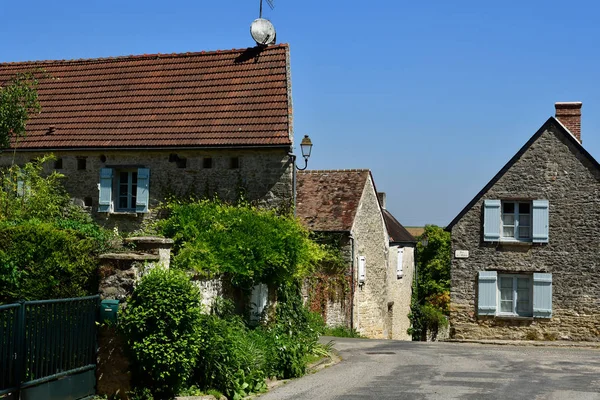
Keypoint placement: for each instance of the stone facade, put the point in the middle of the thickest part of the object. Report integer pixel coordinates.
(399, 292)
(371, 241)
(556, 168)
(263, 175)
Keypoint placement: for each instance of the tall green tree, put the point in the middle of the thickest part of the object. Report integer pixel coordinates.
(18, 101)
(431, 295)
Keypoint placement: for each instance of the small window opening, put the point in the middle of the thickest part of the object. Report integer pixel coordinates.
(234, 163)
(181, 163)
(87, 201)
(81, 164)
(173, 157)
(207, 162)
(58, 164)
(103, 158)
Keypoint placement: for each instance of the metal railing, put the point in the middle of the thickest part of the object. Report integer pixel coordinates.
(44, 340)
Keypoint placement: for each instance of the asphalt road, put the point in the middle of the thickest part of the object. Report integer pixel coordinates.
(378, 369)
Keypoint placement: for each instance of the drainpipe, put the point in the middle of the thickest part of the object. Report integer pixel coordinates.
(352, 287)
(293, 162)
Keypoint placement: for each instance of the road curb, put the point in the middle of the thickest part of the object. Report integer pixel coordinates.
(531, 343)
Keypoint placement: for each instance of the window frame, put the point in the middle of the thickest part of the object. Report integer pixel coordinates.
(516, 226)
(131, 191)
(515, 298)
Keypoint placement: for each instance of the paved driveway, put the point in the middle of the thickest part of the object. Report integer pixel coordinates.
(377, 369)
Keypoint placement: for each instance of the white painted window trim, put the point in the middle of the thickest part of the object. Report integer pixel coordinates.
(513, 313)
(516, 222)
(130, 190)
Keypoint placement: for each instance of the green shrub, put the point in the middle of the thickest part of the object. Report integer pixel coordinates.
(40, 261)
(294, 334)
(343, 332)
(250, 244)
(232, 358)
(162, 326)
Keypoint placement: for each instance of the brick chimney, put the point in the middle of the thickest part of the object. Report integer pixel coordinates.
(381, 196)
(569, 114)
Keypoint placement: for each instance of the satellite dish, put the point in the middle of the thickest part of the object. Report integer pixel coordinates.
(263, 32)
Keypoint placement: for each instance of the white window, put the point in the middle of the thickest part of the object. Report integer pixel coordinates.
(516, 220)
(126, 190)
(515, 295)
(513, 220)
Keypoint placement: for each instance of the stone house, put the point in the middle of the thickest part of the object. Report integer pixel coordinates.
(130, 131)
(342, 207)
(524, 260)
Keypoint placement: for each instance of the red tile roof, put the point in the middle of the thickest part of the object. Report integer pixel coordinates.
(328, 200)
(222, 98)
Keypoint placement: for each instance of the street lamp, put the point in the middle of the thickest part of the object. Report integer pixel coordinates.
(306, 148)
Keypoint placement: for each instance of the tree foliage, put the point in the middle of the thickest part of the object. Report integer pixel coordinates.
(18, 101)
(431, 294)
(250, 244)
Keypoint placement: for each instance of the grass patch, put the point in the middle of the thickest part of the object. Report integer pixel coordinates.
(343, 332)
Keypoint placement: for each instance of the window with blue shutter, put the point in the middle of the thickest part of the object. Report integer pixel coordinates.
(487, 288)
(491, 220)
(105, 197)
(142, 196)
(542, 295)
(540, 221)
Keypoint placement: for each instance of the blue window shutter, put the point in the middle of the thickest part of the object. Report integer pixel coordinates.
(487, 299)
(542, 295)
(540, 221)
(142, 196)
(105, 198)
(491, 220)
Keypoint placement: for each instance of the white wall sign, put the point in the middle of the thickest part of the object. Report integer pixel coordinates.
(461, 253)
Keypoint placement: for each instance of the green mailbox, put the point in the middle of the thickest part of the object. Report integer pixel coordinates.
(108, 310)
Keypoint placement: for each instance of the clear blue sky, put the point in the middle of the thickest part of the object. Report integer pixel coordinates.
(433, 96)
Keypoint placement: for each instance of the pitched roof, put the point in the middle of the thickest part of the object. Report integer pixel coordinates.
(327, 200)
(551, 122)
(221, 98)
(415, 230)
(397, 233)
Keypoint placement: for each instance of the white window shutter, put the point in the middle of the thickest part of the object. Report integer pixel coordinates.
(487, 299)
(105, 188)
(540, 221)
(542, 295)
(362, 269)
(142, 195)
(399, 269)
(258, 301)
(491, 220)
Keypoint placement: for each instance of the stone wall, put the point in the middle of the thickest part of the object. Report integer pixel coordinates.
(399, 292)
(265, 175)
(371, 241)
(554, 169)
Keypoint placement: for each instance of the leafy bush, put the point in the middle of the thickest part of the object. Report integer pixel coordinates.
(162, 327)
(431, 294)
(232, 358)
(38, 260)
(342, 331)
(26, 193)
(294, 333)
(250, 244)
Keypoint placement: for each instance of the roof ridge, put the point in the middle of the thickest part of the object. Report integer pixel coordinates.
(140, 56)
(320, 171)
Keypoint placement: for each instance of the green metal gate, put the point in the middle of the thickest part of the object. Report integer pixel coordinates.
(48, 349)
